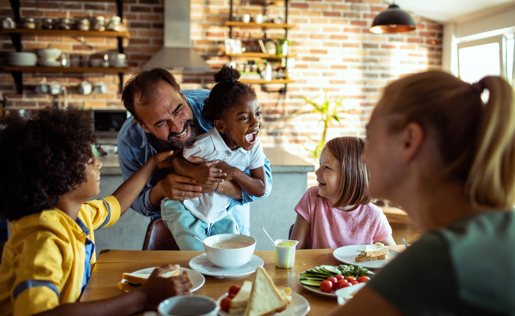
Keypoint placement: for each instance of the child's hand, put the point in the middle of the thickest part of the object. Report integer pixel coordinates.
(157, 288)
(206, 172)
(164, 159)
(227, 169)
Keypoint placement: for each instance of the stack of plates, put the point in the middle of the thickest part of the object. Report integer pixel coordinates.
(21, 59)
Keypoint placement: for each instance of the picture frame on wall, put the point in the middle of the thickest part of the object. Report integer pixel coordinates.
(232, 46)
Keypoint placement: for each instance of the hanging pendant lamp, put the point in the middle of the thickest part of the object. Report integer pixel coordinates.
(393, 20)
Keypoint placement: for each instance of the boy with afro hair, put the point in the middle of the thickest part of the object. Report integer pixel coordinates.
(47, 173)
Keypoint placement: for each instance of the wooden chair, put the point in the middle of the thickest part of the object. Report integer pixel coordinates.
(159, 237)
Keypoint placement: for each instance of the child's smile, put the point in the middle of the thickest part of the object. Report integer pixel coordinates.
(328, 176)
(240, 125)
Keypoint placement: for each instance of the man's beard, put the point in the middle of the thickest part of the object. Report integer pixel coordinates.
(187, 142)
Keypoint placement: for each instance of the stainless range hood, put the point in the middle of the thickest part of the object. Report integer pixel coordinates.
(177, 53)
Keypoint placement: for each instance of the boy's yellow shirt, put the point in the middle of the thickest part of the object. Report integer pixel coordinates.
(43, 260)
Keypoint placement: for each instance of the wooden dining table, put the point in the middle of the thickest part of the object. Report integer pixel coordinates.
(107, 273)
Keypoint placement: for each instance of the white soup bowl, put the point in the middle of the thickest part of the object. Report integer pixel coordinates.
(219, 252)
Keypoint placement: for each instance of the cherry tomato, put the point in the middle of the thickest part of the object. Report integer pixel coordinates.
(234, 289)
(326, 286)
(231, 296)
(332, 279)
(224, 304)
(339, 277)
(343, 283)
(354, 282)
(350, 278)
(363, 279)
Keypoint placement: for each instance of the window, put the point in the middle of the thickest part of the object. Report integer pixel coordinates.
(486, 57)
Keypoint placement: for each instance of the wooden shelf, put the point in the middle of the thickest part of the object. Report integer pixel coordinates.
(124, 34)
(259, 25)
(110, 70)
(259, 81)
(259, 55)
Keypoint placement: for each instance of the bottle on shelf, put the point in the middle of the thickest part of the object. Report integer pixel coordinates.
(268, 71)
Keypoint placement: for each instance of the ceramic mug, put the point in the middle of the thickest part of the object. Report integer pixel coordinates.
(100, 88)
(245, 18)
(41, 88)
(85, 87)
(54, 88)
(194, 305)
(258, 18)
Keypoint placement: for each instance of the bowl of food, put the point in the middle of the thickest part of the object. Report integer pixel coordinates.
(229, 250)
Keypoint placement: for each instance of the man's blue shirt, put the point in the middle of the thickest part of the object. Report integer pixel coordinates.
(135, 147)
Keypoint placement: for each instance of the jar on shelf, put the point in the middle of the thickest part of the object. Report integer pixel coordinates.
(99, 23)
(114, 24)
(29, 23)
(48, 24)
(82, 24)
(64, 24)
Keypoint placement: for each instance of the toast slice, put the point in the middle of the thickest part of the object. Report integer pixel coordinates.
(135, 280)
(239, 302)
(362, 258)
(265, 299)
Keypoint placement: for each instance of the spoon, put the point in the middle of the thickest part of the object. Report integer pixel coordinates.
(273, 242)
(197, 238)
(404, 241)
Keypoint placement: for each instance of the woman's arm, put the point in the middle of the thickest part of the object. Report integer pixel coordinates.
(301, 231)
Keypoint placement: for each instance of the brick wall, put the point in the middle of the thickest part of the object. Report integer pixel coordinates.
(334, 52)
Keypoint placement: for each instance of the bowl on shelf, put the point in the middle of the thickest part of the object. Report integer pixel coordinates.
(49, 53)
(229, 250)
(21, 59)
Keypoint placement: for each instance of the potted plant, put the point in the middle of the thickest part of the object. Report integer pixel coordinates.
(330, 110)
(283, 47)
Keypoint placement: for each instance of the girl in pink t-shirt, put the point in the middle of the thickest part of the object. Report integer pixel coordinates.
(338, 212)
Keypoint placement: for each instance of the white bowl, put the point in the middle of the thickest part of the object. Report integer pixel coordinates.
(229, 257)
(49, 53)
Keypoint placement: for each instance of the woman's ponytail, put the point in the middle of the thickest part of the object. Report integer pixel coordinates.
(491, 180)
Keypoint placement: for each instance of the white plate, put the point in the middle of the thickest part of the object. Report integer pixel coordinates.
(21, 62)
(298, 306)
(347, 254)
(49, 63)
(316, 289)
(204, 266)
(196, 278)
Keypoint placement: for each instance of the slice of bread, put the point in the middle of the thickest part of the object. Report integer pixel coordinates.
(135, 280)
(363, 258)
(265, 299)
(239, 302)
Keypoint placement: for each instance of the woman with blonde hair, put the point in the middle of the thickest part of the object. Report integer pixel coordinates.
(447, 157)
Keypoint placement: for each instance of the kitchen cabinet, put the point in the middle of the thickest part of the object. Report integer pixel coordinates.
(17, 33)
(262, 56)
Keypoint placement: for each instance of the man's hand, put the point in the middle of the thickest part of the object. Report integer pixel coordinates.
(206, 172)
(175, 187)
(158, 288)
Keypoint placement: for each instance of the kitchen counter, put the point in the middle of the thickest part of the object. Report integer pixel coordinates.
(280, 161)
(274, 212)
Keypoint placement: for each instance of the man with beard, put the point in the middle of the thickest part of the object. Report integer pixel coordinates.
(166, 118)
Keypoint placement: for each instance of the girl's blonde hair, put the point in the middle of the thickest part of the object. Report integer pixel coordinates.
(353, 189)
(475, 139)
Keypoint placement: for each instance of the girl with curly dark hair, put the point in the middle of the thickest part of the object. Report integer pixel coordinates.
(47, 172)
(236, 116)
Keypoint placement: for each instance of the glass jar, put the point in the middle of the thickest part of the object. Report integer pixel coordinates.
(114, 24)
(82, 24)
(29, 23)
(64, 24)
(99, 23)
(48, 24)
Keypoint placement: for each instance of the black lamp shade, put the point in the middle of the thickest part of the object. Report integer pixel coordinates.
(393, 20)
